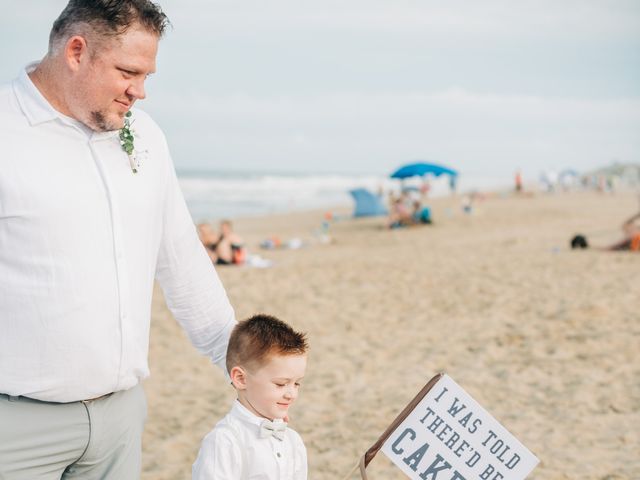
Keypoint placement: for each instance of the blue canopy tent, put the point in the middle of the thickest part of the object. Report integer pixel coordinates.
(367, 204)
(421, 169)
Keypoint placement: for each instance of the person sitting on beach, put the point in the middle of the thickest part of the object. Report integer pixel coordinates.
(224, 249)
(421, 215)
(399, 213)
(266, 360)
(208, 238)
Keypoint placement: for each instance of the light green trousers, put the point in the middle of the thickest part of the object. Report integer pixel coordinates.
(92, 440)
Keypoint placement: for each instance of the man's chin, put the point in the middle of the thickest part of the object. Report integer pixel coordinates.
(103, 123)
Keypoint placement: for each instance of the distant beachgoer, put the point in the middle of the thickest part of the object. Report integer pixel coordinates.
(549, 180)
(602, 183)
(228, 247)
(421, 214)
(399, 213)
(467, 204)
(631, 240)
(425, 188)
(209, 238)
(266, 361)
(518, 181)
(453, 184)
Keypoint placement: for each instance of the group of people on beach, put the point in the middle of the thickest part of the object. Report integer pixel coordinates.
(406, 211)
(91, 214)
(225, 247)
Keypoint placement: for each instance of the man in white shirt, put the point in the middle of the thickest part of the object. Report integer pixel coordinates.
(90, 214)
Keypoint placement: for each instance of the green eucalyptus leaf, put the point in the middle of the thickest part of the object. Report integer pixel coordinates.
(126, 138)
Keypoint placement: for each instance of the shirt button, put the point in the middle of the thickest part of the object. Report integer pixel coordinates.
(278, 455)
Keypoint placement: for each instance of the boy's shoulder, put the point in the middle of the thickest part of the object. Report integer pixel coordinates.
(220, 451)
(226, 430)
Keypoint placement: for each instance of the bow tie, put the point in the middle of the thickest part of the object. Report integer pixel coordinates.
(274, 428)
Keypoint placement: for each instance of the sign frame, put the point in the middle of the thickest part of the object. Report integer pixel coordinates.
(375, 448)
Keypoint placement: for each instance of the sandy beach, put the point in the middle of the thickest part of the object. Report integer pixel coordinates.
(545, 338)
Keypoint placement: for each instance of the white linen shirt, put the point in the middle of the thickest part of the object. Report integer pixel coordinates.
(233, 450)
(81, 240)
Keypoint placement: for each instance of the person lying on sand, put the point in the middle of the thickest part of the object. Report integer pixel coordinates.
(631, 240)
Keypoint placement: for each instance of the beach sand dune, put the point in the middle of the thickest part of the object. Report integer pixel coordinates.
(545, 338)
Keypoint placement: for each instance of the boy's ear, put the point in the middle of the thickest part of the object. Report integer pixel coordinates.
(238, 378)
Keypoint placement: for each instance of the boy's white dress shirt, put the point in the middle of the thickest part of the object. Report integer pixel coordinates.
(235, 450)
(82, 238)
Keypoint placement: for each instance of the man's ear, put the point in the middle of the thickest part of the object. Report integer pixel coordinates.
(75, 50)
(238, 378)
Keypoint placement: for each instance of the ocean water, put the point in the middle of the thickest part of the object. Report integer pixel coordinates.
(213, 195)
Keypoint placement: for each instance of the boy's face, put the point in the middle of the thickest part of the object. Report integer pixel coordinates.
(269, 390)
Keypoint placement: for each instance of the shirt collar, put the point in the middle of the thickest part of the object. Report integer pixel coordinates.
(36, 108)
(243, 413)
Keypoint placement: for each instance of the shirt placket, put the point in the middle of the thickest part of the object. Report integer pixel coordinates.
(279, 456)
(120, 262)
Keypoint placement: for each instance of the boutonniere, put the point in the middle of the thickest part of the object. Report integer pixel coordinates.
(126, 141)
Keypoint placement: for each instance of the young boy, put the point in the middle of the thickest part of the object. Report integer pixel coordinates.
(266, 360)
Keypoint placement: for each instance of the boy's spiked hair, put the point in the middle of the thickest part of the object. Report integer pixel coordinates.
(254, 339)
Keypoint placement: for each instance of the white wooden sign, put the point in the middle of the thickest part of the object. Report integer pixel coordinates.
(449, 436)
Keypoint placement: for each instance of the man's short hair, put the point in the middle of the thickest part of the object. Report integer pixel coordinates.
(107, 18)
(253, 340)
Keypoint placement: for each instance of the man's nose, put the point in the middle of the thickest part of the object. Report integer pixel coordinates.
(136, 90)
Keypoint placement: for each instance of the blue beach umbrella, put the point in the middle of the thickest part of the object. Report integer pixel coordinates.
(420, 169)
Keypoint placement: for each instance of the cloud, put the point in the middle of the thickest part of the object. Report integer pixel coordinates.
(449, 103)
(351, 130)
(454, 17)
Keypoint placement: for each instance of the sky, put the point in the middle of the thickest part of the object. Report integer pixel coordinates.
(363, 86)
